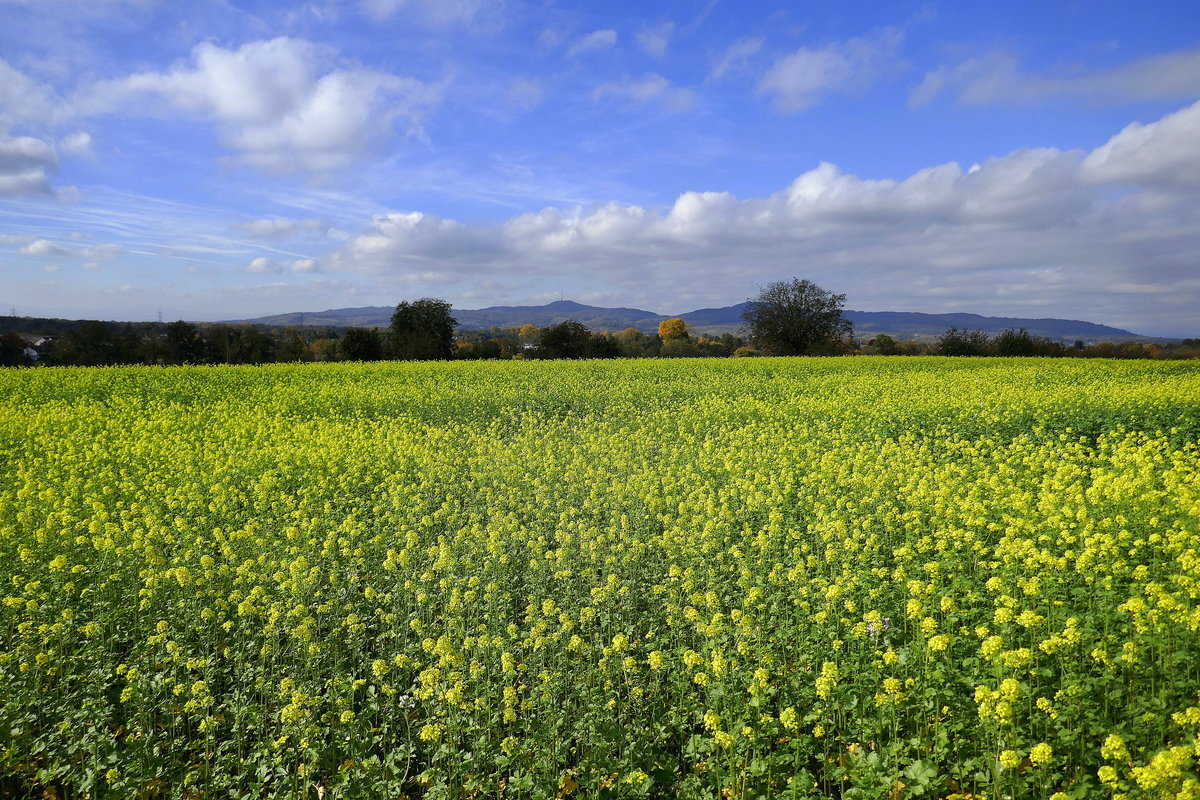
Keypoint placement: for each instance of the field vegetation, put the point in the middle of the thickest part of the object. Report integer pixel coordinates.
(736, 578)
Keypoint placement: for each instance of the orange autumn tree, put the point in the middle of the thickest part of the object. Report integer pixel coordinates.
(673, 328)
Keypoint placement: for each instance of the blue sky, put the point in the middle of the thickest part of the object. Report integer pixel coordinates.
(228, 158)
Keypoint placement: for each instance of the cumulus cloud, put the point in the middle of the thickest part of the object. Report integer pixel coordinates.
(279, 104)
(1036, 226)
(45, 247)
(997, 77)
(806, 77)
(651, 88)
(275, 228)
(655, 41)
(593, 42)
(303, 265)
(1164, 154)
(26, 164)
(263, 266)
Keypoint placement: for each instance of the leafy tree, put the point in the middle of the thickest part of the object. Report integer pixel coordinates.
(185, 345)
(679, 348)
(604, 345)
(423, 330)
(362, 344)
(964, 343)
(326, 349)
(673, 328)
(1020, 342)
(567, 339)
(796, 317)
(294, 348)
(12, 350)
(885, 345)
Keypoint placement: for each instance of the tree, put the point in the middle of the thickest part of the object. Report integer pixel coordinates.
(185, 345)
(12, 350)
(1021, 342)
(423, 330)
(362, 344)
(796, 317)
(673, 328)
(964, 343)
(885, 345)
(567, 339)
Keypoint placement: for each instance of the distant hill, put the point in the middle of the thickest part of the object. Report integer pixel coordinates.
(898, 324)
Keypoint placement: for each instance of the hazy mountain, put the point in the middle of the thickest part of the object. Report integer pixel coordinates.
(898, 324)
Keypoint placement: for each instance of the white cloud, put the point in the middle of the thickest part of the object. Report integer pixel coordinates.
(997, 77)
(806, 77)
(103, 252)
(71, 9)
(593, 42)
(1035, 227)
(275, 228)
(23, 99)
(437, 12)
(78, 143)
(736, 58)
(263, 266)
(26, 164)
(1164, 154)
(525, 93)
(655, 41)
(279, 103)
(651, 88)
(44, 247)
(96, 252)
(303, 265)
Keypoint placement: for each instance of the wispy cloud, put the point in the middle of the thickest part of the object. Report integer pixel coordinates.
(276, 228)
(655, 41)
(997, 77)
(736, 58)
(650, 88)
(436, 12)
(593, 42)
(807, 76)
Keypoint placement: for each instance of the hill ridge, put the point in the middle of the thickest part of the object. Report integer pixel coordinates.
(898, 324)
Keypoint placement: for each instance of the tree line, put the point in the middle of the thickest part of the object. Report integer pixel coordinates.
(786, 318)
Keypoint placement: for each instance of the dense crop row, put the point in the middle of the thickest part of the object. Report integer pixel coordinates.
(755, 578)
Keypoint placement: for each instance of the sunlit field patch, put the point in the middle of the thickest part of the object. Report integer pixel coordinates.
(778, 578)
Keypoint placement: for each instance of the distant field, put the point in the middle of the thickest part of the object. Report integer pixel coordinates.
(741, 578)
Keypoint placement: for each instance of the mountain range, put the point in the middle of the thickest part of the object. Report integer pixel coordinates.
(713, 321)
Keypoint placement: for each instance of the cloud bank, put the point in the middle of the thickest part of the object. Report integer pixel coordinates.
(1073, 230)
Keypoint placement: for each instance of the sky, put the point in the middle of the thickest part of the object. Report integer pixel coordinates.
(225, 159)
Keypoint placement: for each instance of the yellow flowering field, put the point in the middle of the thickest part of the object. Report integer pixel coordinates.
(745, 578)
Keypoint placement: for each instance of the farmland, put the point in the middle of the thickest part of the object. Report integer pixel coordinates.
(777, 578)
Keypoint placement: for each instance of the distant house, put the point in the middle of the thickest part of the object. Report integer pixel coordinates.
(36, 347)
